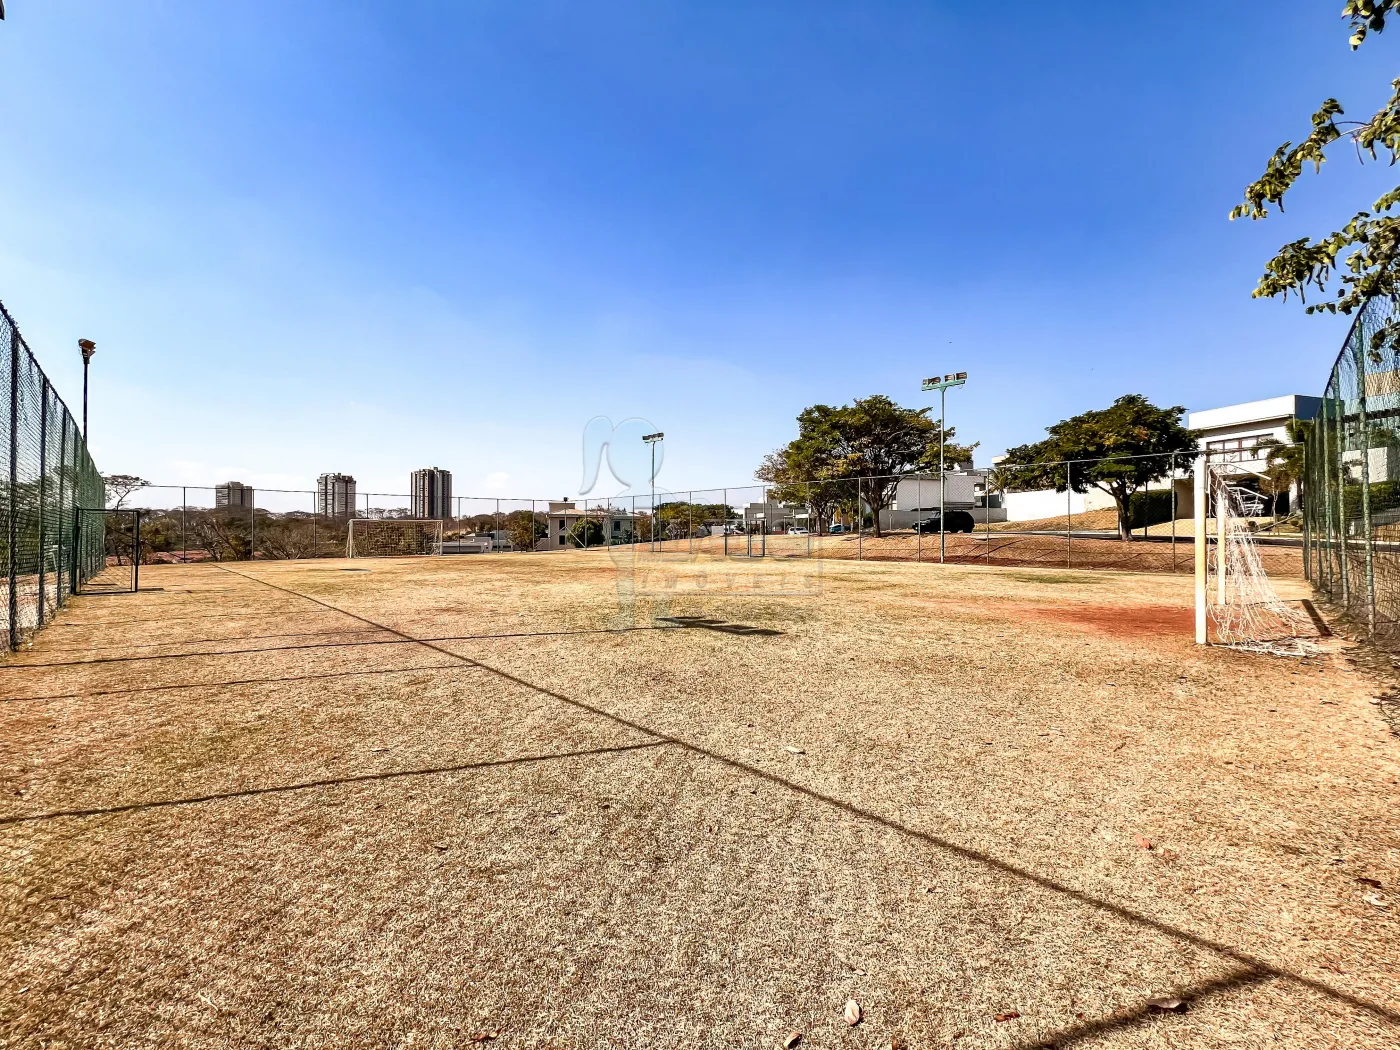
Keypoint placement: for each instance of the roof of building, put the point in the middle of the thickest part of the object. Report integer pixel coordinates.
(1271, 409)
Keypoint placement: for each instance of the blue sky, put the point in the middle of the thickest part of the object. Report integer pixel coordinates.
(367, 237)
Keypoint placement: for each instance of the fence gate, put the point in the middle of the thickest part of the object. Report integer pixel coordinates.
(107, 556)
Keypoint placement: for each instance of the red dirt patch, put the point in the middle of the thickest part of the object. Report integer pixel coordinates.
(1123, 621)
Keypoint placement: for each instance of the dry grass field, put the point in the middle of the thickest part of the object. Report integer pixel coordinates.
(493, 801)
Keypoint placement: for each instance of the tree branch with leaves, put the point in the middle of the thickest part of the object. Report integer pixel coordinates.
(1364, 255)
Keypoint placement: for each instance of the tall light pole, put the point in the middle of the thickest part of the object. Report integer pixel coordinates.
(88, 348)
(652, 439)
(942, 385)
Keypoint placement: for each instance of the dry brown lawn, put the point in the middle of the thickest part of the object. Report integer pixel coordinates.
(287, 804)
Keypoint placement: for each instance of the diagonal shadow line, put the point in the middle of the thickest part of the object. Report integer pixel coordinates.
(230, 682)
(400, 640)
(946, 845)
(202, 641)
(85, 624)
(1244, 977)
(365, 778)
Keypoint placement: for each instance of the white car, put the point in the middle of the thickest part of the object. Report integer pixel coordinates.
(798, 532)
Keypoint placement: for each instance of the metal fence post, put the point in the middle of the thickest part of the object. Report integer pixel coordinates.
(1369, 548)
(62, 480)
(13, 524)
(724, 517)
(1069, 512)
(252, 526)
(1342, 556)
(184, 529)
(860, 526)
(987, 517)
(1329, 574)
(43, 492)
(1307, 531)
(1172, 483)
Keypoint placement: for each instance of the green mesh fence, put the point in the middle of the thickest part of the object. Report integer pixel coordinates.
(47, 548)
(1352, 468)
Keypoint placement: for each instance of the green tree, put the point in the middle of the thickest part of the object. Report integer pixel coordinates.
(1371, 240)
(872, 439)
(526, 528)
(1122, 448)
(120, 486)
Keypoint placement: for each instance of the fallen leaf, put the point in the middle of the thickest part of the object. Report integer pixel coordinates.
(794, 750)
(853, 1012)
(1372, 899)
(1010, 1015)
(1142, 842)
(896, 1043)
(792, 1040)
(1167, 1004)
(1369, 882)
(484, 1037)
(439, 845)
(378, 750)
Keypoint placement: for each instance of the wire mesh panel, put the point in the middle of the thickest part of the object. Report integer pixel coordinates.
(1352, 471)
(45, 475)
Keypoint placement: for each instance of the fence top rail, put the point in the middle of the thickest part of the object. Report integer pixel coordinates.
(671, 495)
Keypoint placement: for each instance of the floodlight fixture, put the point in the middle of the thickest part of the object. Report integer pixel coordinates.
(950, 379)
(650, 439)
(87, 347)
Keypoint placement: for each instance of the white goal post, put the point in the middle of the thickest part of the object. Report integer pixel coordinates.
(393, 537)
(1233, 592)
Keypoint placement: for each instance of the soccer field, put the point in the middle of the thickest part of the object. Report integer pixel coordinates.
(422, 802)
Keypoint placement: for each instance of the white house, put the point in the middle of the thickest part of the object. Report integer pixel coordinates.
(564, 515)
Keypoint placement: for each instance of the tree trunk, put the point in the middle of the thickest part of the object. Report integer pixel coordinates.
(1125, 532)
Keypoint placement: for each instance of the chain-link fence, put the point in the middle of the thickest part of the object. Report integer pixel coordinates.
(1352, 468)
(1050, 515)
(49, 548)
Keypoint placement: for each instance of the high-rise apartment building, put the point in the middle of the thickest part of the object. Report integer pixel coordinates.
(233, 494)
(431, 493)
(335, 495)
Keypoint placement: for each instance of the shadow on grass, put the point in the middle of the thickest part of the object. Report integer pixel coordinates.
(400, 639)
(365, 778)
(229, 682)
(1125, 1020)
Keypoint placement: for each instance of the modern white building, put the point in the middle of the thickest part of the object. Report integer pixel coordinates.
(1231, 435)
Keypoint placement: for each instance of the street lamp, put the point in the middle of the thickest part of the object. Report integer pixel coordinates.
(88, 348)
(942, 385)
(652, 439)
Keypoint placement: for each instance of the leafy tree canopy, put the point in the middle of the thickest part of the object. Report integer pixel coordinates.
(1120, 448)
(871, 438)
(1370, 242)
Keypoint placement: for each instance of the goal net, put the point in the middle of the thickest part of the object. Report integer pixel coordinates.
(1232, 589)
(393, 537)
